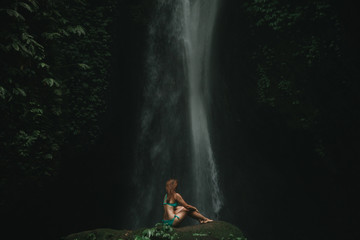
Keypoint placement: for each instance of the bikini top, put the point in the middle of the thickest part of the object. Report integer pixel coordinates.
(171, 204)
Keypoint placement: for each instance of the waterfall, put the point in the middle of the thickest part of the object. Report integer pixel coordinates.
(174, 139)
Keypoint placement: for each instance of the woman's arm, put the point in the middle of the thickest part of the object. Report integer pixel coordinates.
(183, 203)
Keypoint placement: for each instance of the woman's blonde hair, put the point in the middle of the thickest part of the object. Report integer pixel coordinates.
(170, 187)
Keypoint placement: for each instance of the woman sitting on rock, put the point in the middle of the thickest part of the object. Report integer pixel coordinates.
(175, 214)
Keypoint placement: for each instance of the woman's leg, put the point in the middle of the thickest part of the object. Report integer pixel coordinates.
(197, 215)
(181, 212)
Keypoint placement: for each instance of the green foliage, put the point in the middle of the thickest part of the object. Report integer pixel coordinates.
(159, 232)
(281, 15)
(91, 236)
(27, 139)
(289, 57)
(297, 62)
(86, 83)
(54, 78)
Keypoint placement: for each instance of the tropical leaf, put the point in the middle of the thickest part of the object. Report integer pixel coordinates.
(34, 3)
(63, 32)
(50, 82)
(44, 65)
(15, 45)
(15, 14)
(26, 6)
(51, 36)
(79, 30)
(19, 91)
(2, 92)
(83, 66)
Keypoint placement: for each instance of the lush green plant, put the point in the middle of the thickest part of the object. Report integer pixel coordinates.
(87, 57)
(292, 54)
(296, 61)
(54, 78)
(159, 232)
(31, 93)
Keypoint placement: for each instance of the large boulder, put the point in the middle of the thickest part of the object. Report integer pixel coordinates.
(217, 230)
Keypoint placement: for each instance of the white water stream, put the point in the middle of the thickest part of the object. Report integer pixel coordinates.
(174, 138)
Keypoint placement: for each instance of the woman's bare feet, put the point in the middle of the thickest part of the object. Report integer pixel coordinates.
(205, 220)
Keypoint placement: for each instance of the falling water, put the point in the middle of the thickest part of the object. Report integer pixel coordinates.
(174, 139)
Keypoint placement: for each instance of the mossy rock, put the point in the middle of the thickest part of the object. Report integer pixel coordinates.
(100, 234)
(217, 230)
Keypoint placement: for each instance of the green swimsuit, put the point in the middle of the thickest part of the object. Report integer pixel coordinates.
(170, 221)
